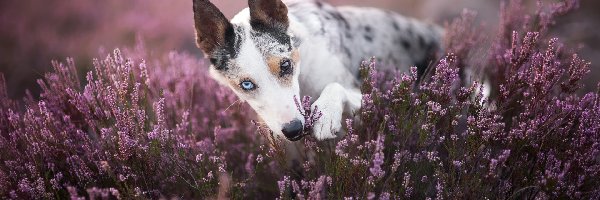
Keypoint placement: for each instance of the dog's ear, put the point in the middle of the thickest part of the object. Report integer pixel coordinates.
(212, 27)
(268, 14)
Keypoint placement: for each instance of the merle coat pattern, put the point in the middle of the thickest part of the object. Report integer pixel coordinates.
(272, 51)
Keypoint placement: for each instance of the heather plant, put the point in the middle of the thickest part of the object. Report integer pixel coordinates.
(131, 131)
(141, 125)
(440, 137)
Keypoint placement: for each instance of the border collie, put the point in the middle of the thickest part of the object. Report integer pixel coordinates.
(272, 52)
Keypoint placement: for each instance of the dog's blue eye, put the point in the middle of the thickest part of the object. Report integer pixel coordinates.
(247, 85)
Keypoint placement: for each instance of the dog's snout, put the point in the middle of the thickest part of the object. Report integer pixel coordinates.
(293, 130)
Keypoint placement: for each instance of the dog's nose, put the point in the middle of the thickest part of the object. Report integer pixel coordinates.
(293, 130)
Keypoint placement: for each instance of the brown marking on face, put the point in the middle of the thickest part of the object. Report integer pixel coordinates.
(235, 84)
(274, 65)
(295, 56)
(274, 62)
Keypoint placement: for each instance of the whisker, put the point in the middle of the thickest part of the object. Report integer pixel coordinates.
(236, 101)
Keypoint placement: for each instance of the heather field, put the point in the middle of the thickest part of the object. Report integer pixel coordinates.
(144, 120)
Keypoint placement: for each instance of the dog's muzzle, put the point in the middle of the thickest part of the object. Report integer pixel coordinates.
(293, 130)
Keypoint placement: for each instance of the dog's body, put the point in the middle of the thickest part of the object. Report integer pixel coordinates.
(272, 52)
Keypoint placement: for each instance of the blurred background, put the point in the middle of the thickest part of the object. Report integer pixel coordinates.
(33, 32)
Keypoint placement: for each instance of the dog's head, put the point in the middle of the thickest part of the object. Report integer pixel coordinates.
(257, 57)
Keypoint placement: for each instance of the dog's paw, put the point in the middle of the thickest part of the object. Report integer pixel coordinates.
(330, 122)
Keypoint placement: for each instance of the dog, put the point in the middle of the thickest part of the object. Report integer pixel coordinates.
(273, 52)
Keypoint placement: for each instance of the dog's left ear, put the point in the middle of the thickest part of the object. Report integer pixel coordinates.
(268, 14)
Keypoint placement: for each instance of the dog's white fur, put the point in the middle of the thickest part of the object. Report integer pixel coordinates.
(333, 42)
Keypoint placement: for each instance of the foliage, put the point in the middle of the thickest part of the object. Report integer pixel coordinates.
(162, 128)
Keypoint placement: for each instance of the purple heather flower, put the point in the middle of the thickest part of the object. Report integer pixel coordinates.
(311, 115)
(283, 184)
(378, 158)
(165, 123)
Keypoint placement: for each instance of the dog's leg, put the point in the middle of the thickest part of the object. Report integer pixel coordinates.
(332, 102)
